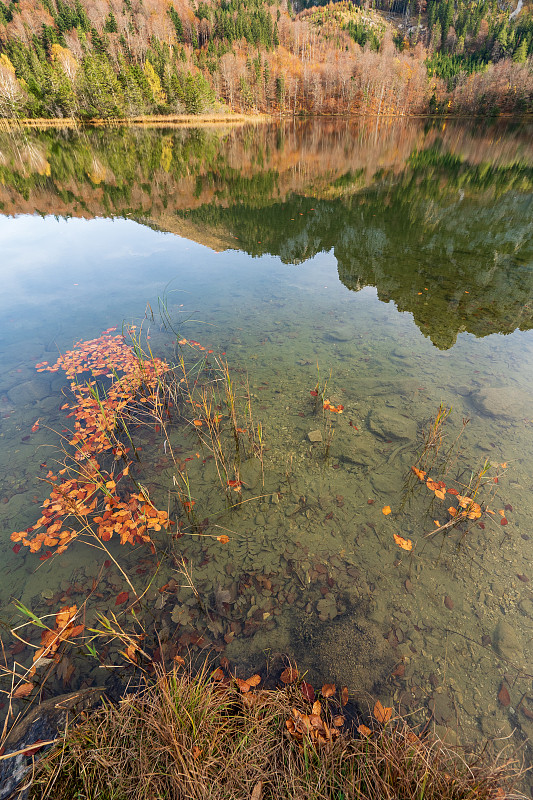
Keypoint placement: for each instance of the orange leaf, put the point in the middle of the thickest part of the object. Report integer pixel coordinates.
(328, 690)
(197, 422)
(255, 680)
(244, 686)
(386, 510)
(362, 729)
(223, 538)
(440, 494)
(405, 544)
(23, 690)
(452, 511)
(289, 675)
(344, 695)
(382, 715)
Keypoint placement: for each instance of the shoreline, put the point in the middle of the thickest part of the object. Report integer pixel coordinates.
(200, 120)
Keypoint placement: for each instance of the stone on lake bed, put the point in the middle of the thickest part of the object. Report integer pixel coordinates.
(504, 401)
(506, 643)
(389, 424)
(314, 436)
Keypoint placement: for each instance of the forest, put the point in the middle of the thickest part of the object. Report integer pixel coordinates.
(134, 58)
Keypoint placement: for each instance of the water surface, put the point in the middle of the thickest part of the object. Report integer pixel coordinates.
(392, 260)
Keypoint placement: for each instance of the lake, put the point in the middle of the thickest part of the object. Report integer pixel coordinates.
(365, 288)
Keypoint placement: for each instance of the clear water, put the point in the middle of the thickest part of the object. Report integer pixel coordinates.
(399, 259)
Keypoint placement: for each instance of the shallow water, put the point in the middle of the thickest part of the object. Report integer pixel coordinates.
(392, 261)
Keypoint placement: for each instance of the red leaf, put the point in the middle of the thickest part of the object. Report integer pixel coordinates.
(308, 691)
(122, 598)
(313, 393)
(16, 549)
(503, 696)
(503, 521)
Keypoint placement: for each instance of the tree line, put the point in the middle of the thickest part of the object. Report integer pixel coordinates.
(124, 58)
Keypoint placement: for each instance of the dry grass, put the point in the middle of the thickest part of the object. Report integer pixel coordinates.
(191, 737)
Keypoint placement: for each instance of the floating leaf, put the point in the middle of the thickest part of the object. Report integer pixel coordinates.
(386, 510)
(223, 538)
(405, 544)
(453, 491)
(503, 521)
(197, 422)
(440, 494)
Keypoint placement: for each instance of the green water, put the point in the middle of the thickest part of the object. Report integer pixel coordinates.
(394, 262)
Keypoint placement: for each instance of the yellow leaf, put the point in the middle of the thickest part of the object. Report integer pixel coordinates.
(386, 510)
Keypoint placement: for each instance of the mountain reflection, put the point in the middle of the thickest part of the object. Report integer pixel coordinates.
(438, 217)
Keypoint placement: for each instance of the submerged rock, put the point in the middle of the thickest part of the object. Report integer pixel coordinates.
(505, 402)
(506, 644)
(390, 424)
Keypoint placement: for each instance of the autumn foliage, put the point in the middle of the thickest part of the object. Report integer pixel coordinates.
(86, 496)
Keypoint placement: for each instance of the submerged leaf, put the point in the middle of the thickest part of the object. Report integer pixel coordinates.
(405, 544)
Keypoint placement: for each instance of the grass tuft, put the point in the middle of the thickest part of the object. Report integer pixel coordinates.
(195, 737)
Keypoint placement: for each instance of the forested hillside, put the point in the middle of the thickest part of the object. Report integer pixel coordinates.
(124, 58)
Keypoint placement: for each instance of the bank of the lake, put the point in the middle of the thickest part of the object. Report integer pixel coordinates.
(213, 736)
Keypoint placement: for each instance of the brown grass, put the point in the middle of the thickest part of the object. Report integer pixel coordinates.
(186, 736)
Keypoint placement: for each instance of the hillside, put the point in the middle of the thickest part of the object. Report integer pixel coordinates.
(123, 58)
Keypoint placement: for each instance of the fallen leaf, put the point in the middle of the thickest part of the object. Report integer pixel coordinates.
(386, 510)
(364, 730)
(289, 675)
(223, 538)
(344, 695)
(23, 690)
(328, 690)
(257, 791)
(405, 544)
(503, 696)
(122, 598)
(317, 708)
(382, 714)
(308, 691)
